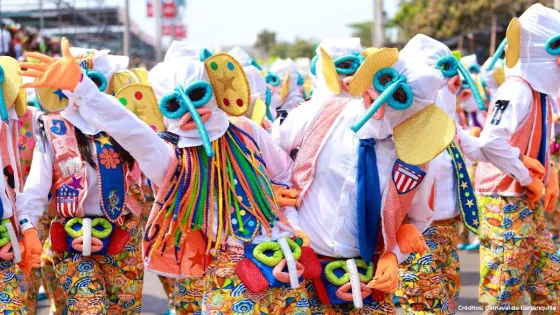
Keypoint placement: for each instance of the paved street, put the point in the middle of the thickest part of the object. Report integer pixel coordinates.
(155, 302)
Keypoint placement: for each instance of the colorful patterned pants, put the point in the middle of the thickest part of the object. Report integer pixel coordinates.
(430, 283)
(104, 284)
(517, 255)
(12, 289)
(221, 292)
(384, 307)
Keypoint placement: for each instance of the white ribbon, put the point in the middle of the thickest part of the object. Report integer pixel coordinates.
(14, 240)
(290, 262)
(355, 282)
(86, 228)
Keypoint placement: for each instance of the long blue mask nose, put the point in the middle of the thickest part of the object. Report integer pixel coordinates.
(450, 66)
(181, 101)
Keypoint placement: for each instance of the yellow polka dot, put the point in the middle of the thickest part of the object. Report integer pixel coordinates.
(242, 212)
(23, 131)
(239, 198)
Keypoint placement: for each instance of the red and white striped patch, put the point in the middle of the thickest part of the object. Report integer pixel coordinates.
(406, 177)
(67, 201)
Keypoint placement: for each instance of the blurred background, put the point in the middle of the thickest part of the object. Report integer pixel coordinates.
(143, 29)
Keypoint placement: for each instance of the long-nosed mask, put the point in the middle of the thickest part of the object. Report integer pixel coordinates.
(405, 108)
(337, 60)
(437, 55)
(194, 97)
(532, 47)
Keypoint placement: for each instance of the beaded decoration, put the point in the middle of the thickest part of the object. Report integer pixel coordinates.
(231, 185)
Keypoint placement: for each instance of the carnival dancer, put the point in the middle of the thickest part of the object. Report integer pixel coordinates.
(430, 283)
(95, 236)
(282, 79)
(234, 211)
(517, 255)
(356, 189)
(12, 252)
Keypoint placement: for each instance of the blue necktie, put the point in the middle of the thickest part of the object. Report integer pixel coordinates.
(368, 206)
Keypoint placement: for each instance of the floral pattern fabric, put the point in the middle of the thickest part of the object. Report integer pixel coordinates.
(430, 283)
(104, 284)
(220, 292)
(12, 289)
(517, 255)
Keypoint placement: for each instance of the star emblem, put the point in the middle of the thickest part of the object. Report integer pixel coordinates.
(464, 185)
(460, 166)
(104, 140)
(197, 258)
(227, 83)
(475, 222)
(470, 203)
(76, 183)
(60, 95)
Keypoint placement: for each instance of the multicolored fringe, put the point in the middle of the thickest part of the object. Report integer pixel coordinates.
(231, 188)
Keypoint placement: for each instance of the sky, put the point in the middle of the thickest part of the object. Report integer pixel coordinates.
(237, 22)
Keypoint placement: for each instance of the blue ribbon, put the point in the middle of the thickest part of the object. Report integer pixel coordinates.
(368, 199)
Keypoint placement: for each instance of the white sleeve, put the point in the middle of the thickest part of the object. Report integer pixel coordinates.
(289, 135)
(470, 146)
(107, 113)
(278, 167)
(32, 203)
(500, 126)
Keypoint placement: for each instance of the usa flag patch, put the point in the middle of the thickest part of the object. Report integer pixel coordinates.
(406, 177)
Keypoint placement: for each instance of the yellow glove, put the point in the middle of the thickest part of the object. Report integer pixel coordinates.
(551, 191)
(410, 240)
(60, 73)
(386, 276)
(285, 197)
(534, 192)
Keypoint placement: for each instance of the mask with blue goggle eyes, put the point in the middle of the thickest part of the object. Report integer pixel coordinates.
(97, 78)
(450, 66)
(182, 101)
(273, 79)
(228, 86)
(348, 64)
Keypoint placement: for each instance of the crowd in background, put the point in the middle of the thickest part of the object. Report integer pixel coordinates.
(17, 39)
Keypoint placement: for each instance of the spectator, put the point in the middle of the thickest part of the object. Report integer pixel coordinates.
(5, 41)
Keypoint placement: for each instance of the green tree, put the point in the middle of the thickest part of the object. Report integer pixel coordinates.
(363, 31)
(280, 50)
(265, 41)
(301, 48)
(447, 18)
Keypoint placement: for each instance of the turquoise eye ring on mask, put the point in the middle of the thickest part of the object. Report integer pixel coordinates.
(181, 101)
(553, 45)
(273, 79)
(388, 82)
(450, 66)
(356, 61)
(98, 79)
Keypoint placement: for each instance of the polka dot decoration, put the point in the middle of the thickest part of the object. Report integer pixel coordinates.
(140, 100)
(229, 83)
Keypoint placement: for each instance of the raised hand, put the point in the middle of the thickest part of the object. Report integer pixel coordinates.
(60, 73)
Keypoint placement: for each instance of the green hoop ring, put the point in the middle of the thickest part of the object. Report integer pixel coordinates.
(296, 249)
(360, 263)
(107, 228)
(270, 261)
(4, 237)
(332, 277)
(72, 232)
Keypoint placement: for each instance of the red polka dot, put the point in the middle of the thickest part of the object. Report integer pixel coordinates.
(138, 95)
(239, 102)
(226, 102)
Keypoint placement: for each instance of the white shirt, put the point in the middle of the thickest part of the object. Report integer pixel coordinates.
(445, 185)
(328, 210)
(494, 138)
(153, 154)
